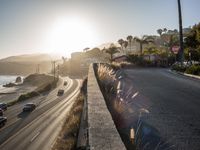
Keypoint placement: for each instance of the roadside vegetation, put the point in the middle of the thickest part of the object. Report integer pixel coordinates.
(44, 83)
(108, 79)
(68, 135)
(189, 69)
(125, 111)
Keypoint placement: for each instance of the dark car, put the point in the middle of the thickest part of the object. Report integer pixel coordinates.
(1, 112)
(65, 83)
(3, 106)
(60, 92)
(3, 121)
(29, 107)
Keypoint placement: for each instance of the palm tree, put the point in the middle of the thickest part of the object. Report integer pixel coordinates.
(111, 51)
(129, 39)
(144, 40)
(125, 44)
(121, 41)
(159, 31)
(165, 30)
(181, 52)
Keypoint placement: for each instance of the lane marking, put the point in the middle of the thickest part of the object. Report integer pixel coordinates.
(42, 115)
(34, 137)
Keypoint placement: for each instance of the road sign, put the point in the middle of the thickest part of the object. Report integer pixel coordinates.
(175, 49)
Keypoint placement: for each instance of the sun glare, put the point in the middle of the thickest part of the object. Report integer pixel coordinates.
(69, 35)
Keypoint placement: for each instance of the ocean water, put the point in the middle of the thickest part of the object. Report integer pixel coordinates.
(6, 79)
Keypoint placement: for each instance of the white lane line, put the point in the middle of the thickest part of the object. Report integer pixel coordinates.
(34, 137)
(39, 117)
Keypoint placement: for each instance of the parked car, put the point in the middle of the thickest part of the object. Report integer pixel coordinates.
(3, 121)
(65, 83)
(3, 106)
(1, 112)
(29, 107)
(60, 92)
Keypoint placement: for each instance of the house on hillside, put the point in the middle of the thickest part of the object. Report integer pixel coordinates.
(121, 58)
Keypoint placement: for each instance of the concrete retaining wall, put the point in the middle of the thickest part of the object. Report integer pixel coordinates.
(103, 134)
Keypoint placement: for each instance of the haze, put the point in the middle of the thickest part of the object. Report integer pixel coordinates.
(62, 27)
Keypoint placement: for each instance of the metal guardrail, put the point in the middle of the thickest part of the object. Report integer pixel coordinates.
(83, 142)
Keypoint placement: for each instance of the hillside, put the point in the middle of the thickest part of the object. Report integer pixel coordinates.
(25, 64)
(27, 58)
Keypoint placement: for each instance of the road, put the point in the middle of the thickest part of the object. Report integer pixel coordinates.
(167, 102)
(38, 129)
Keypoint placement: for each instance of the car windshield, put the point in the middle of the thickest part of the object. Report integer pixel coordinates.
(29, 105)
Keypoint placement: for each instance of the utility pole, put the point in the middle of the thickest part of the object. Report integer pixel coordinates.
(54, 69)
(58, 71)
(38, 69)
(181, 51)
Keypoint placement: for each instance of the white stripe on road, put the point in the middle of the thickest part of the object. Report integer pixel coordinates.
(34, 137)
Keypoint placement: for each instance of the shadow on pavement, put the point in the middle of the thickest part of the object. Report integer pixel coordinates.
(23, 115)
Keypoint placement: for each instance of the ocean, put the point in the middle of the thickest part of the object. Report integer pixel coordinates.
(6, 79)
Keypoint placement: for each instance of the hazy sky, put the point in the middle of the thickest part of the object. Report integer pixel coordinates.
(63, 26)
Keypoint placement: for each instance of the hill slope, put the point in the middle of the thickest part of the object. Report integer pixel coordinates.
(25, 64)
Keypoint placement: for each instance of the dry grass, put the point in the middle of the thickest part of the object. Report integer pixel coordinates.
(119, 65)
(68, 135)
(105, 73)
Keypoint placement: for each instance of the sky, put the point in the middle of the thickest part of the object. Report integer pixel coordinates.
(65, 26)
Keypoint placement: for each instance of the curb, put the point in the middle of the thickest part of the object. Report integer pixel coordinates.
(185, 74)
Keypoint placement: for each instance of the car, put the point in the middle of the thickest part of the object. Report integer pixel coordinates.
(3, 121)
(60, 92)
(65, 83)
(1, 112)
(29, 107)
(3, 106)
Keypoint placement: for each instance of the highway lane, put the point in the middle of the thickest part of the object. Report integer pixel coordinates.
(42, 131)
(173, 103)
(13, 111)
(17, 120)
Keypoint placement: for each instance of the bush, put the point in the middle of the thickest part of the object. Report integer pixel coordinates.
(178, 67)
(194, 69)
(27, 96)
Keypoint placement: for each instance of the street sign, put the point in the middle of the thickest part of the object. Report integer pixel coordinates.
(175, 49)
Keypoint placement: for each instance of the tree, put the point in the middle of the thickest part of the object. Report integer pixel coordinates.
(151, 50)
(129, 39)
(121, 41)
(159, 31)
(111, 51)
(64, 59)
(172, 41)
(193, 38)
(86, 49)
(192, 43)
(125, 44)
(144, 40)
(165, 30)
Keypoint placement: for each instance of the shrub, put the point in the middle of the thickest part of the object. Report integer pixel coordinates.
(194, 69)
(178, 67)
(27, 96)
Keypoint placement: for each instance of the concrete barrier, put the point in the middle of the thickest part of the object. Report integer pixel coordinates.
(103, 134)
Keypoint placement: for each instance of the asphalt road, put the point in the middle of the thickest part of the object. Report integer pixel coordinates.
(166, 102)
(38, 129)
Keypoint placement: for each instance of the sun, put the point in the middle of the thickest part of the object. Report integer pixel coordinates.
(70, 34)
